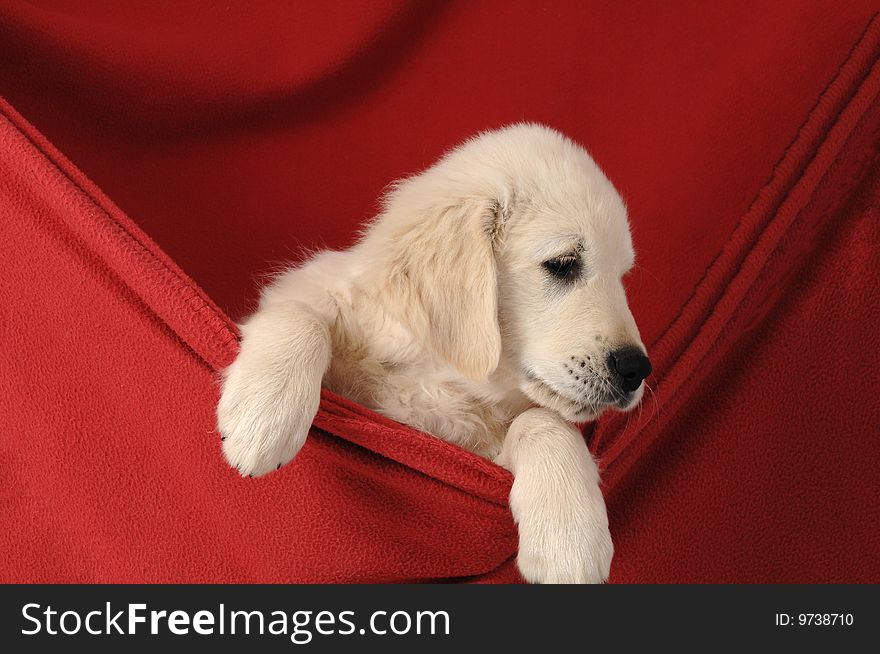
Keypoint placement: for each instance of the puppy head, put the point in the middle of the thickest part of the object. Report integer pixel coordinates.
(562, 303)
(508, 257)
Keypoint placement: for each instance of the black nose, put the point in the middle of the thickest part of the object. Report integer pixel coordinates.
(630, 366)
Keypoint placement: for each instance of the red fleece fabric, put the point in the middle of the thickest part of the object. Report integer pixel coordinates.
(744, 138)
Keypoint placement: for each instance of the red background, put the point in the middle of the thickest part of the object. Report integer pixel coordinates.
(743, 137)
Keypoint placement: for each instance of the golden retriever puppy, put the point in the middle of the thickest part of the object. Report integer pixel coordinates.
(483, 305)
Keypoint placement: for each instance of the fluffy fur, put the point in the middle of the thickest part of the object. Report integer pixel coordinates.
(448, 316)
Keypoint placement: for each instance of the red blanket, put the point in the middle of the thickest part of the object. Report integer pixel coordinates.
(745, 140)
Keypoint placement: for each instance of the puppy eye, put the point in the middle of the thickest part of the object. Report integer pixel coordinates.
(567, 267)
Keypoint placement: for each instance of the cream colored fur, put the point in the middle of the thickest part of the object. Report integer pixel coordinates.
(444, 317)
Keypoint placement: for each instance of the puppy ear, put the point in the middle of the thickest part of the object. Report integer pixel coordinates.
(441, 280)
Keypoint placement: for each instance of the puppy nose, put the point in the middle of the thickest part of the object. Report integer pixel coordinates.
(631, 366)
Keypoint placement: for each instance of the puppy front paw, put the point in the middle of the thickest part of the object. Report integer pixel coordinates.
(264, 422)
(556, 501)
(564, 554)
(563, 527)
